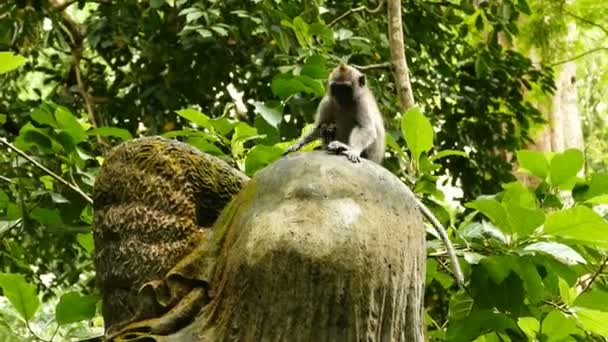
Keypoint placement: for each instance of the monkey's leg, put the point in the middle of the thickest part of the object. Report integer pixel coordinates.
(313, 134)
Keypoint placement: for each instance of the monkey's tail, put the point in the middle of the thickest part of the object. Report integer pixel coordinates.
(446, 241)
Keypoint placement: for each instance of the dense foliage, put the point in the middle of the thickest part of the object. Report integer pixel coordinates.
(241, 80)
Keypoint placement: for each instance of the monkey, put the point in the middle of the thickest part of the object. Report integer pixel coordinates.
(350, 114)
(350, 123)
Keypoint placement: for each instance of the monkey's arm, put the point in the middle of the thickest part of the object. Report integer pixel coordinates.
(325, 118)
(313, 134)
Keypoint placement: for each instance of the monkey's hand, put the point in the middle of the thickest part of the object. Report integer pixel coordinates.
(292, 148)
(338, 147)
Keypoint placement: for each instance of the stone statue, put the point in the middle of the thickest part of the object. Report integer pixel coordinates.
(312, 248)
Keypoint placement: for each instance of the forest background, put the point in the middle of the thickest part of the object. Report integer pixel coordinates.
(507, 144)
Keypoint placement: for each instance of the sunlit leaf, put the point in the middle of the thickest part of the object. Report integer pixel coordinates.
(578, 223)
(20, 293)
(493, 210)
(194, 116)
(86, 242)
(417, 131)
(271, 115)
(447, 153)
(557, 325)
(115, 132)
(594, 299)
(10, 61)
(530, 326)
(559, 251)
(533, 162)
(564, 166)
(593, 320)
(260, 156)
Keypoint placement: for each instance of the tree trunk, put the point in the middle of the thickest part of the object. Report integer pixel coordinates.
(400, 69)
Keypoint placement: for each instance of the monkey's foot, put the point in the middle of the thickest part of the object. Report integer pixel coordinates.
(353, 157)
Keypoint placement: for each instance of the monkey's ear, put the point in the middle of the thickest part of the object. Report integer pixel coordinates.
(361, 80)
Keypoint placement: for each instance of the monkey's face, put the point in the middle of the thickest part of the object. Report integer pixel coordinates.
(345, 83)
(342, 93)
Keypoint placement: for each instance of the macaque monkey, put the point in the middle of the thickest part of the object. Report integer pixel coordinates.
(349, 114)
(349, 123)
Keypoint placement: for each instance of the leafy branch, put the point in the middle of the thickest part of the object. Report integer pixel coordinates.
(355, 10)
(581, 55)
(586, 21)
(74, 187)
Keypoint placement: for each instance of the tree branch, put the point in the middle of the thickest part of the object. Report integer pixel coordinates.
(586, 21)
(386, 65)
(595, 275)
(573, 58)
(8, 180)
(49, 172)
(355, 10)
(401, 71)
(61, 6)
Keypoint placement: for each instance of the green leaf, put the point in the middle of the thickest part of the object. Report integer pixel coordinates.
(157, 3)
(479, 323)
(564, 166)
(3, 119)
(533, 284)
(271, 115)
(73, 307)
(4, 200)
(417, 131)
(557, 326)
(260, 156)
(580, 224)
(524, 221)
(67, 121)
(20, 293)
(446, 153)
(597, 186)
(115, 132)
(568, 295)
(560, 252)
(530, 326)
(47, 217)
(493, 210)
(522, 6)
(593, 320)
(461, 305)
(498, 267)
(194, 116)
(243, 132)
(204, 145)
(393, 145)
(43, 115)
(286, 85)
(481, 65)
(597, 200)
(10, 61)
(315, 68)
(594, 299)
(222, 125)
(533, 162)
(86, 241)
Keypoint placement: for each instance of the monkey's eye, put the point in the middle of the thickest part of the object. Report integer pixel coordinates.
(361, 80)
